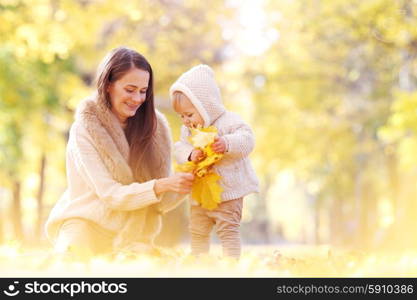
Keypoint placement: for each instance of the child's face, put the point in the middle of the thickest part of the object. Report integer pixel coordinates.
(189, 115)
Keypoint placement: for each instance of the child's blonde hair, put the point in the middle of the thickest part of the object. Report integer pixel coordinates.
(177, 98)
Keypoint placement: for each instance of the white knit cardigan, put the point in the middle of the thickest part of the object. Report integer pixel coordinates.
(100, 182)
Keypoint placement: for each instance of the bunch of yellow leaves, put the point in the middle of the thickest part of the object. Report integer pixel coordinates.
(206, 189)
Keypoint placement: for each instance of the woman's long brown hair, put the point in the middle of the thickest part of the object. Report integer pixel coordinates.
(140, 129)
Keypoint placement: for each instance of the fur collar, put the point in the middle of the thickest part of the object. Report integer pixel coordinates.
(111, 143)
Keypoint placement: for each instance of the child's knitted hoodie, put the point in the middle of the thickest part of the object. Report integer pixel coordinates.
(238, 177)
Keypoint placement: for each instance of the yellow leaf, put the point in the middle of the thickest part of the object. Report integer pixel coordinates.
(201, 137)
(207, 191)
(188, 167)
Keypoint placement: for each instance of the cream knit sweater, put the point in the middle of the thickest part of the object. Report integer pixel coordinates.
(95, 188)
(238, 176)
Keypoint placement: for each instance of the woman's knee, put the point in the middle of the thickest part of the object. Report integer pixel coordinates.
(74, 238)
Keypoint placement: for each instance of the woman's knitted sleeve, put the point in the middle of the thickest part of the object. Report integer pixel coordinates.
(95, 174)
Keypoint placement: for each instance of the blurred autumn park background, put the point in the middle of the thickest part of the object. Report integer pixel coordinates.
(329, 88)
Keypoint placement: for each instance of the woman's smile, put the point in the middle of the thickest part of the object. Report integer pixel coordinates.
(132, 106)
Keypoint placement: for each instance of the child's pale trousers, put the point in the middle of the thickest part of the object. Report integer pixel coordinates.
(226, 217)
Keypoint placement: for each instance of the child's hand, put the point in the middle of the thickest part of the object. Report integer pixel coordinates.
(219, 145)
(197, 155)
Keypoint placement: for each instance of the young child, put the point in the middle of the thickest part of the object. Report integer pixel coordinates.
(196, 97)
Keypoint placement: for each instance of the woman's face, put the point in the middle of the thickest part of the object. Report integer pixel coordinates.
(128, 93)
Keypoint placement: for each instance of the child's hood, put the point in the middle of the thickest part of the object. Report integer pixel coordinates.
(200, 86)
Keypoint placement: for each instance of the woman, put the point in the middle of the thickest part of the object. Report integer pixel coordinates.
(118, 164)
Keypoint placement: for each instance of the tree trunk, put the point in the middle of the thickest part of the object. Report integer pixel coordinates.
(261, 209)
(1, 224)
(40, 197)
(317, 223)
(336, 219)
(391, 160)
(359, 206)
(16, 211)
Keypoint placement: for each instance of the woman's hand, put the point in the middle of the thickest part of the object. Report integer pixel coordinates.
(179, 183)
